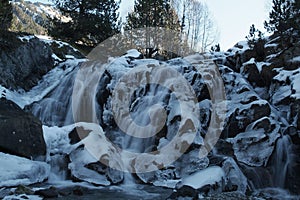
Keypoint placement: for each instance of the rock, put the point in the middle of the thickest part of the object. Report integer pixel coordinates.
(250, 70)
(236, 180)
(227, 195)
(207, 181)
(48, 193)
(184, 192)
(22, 66)
(21, 133)
(64, 51)
(16, 171)
(295, 112)
(22, 189)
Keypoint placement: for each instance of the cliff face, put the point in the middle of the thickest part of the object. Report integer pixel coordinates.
(23, 61)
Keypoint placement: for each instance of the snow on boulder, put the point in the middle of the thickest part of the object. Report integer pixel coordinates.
(209, 176)
(21, 171)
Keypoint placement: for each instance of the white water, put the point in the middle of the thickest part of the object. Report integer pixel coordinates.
(282, 158)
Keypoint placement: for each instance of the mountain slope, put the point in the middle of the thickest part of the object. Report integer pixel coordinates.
(34, 18)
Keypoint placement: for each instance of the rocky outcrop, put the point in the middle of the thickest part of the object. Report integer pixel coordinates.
(21, 133)
(23, 62)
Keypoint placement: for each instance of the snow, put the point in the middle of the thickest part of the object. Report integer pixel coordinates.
(95, 147)
(133, 53)
(260, 65)
(281, 93)
(239, 47)
(57, 139)
(208, 176)
(271, 45)
(26, 38)
(294, 77)
(295, 59)
(21, 171)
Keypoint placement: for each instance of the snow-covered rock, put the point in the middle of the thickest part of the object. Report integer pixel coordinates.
(20, 171)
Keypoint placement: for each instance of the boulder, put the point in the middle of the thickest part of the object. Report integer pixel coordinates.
(22, 66)
(21, 133)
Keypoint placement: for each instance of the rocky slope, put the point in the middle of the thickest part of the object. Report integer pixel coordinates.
(257, 153)
(34, 18)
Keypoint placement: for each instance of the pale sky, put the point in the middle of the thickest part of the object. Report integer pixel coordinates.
(233, 17)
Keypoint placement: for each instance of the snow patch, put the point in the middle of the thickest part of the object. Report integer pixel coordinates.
(208, 176)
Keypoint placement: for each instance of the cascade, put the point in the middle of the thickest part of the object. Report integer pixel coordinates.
(282, 158)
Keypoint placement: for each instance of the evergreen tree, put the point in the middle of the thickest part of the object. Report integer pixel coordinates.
(158, 20)
(92, 22)
(6, 15)
(152, 13)
(283, 16)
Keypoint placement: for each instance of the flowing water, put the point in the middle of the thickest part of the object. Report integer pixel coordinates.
(281, 160)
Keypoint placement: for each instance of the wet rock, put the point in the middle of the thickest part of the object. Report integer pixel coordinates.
(21, 132)
(51, 192)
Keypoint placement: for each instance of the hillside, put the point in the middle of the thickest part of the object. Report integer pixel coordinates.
(34, 18)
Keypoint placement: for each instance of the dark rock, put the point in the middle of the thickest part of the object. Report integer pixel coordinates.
(48, 193)
(253, 75)
(223, 147)
(78, 191)
(185, 191)
(21, 132)
(21, 189)
(260, 111)
(62, 50)
(23, 66)
(295, 112)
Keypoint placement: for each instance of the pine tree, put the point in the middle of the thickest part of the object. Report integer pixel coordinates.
(92, 22)
(6, 15)
(152, 13)
(156, 19)
(284, 16)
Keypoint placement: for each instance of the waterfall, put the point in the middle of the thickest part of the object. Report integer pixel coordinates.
(281, 160)
(59, 168)
(55, 109)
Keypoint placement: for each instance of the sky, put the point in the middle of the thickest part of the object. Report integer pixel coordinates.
(233, 17)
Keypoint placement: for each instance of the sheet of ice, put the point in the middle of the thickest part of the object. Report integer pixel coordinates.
(57, 139)
(21, 171)
(208, 176)
(22, 197)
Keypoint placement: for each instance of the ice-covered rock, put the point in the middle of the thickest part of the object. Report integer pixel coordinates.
(16, 171)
